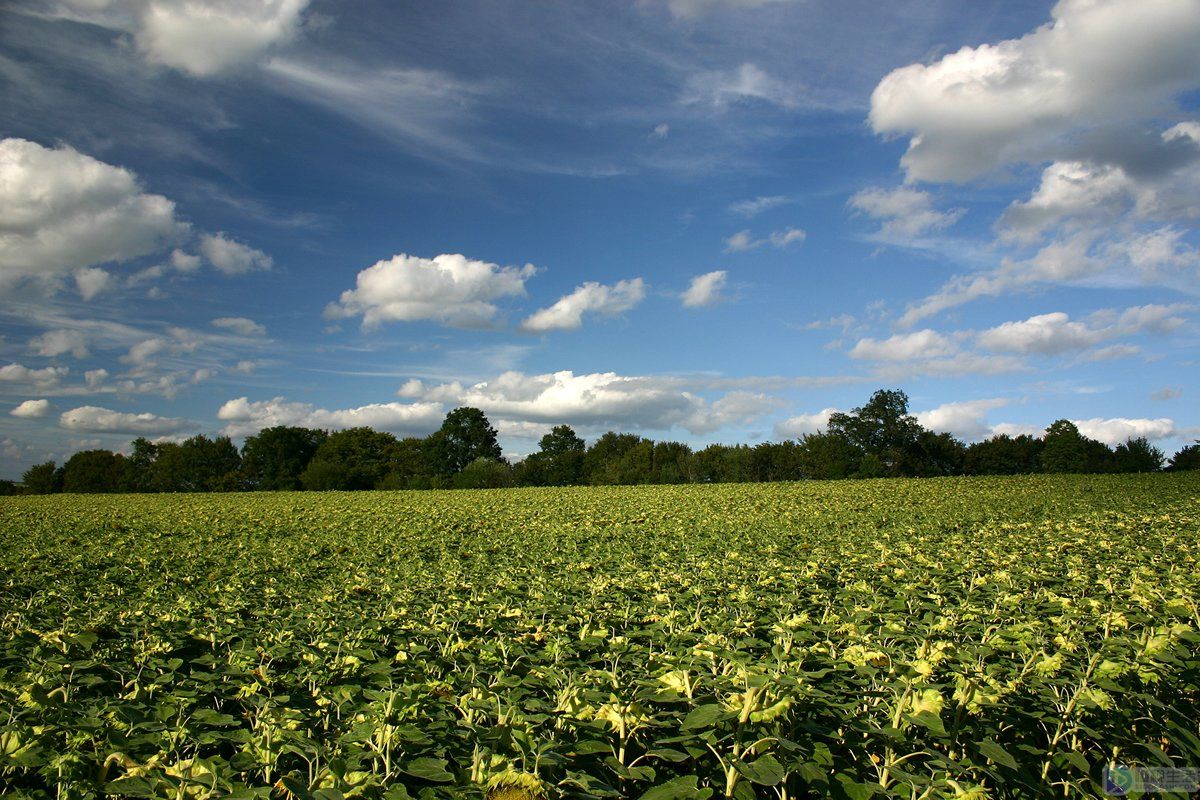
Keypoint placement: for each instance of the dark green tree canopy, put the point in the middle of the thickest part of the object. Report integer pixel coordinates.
(44, 478)
(356, 458)
(94, 471)
(465, 435)
(1188, 458)
(274, 458)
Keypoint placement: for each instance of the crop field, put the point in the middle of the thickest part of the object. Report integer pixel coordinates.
(936, 638)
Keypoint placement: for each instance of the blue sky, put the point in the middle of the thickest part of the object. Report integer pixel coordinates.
(705, 220)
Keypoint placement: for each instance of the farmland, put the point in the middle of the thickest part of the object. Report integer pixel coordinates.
(988, 637)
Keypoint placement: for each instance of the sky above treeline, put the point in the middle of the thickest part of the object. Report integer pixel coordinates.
(702, 220)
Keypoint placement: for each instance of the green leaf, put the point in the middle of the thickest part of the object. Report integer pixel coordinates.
(682, 788)
(429, 769)
(765, 770)
(702, 717)
(989, 749)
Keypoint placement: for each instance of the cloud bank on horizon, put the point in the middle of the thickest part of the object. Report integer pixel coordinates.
(218, 216)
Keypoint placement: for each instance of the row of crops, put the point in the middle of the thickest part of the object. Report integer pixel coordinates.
(910, 639)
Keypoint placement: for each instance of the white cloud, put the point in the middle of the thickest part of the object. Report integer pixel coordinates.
(241, 325)
(65, 211)
(231, 257)
(1047, 334)
(921, 344)
(1016, 429)
(661, 131)
(801, 424)
(783, 238)
(721, 89)
(1098, 62)
(591, 297)
(32, 409)
(60, 342)
(1120, 429)
(694, 8)
(95, 378)
(743, 241)
(966, 419)
(904, 212)
(184, 262)
(92, 419)
(245, 417)
(450, 288)
(20, 374)
(1055, 333)
(1069, 190)
(600, 400)
(740, 242)
(91, 281)
(754, 207)
(705, 289)
(1158, 257)
(201, 38)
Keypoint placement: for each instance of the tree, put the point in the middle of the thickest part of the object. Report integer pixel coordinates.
(826, 456)
(465, 435)
(42, 478)
(1137, 455)
(356, 458)
(1188, 458)
(935, 454)
(559, 460)
(94, 472)
(274, 458)
(882, 429)
(409, 467)
(1004, 455)
(484, 473)
(1065, 449)
(139, 473)
(602, 462)
(198, 464)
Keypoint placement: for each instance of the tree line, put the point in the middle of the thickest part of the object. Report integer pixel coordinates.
(879, 439)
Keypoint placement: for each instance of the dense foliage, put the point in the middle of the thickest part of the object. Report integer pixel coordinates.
(880, 439)
(967, 637)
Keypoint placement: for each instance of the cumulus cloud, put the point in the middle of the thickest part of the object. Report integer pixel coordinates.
(590, 298)
(705, 290)
(198, 38)
(757, 205)
(32, 409)
(695, 8)
(60, 342)
(65, 211)
(802, 424)
(966, 419)
(1117, 430)
(450, 288)
(1097, 63)
(20, 374)
(1069, 190)
(903, 211)
(925, 343)
(599, 400)
(1160, 256)
(244, 417)
(91, 281)
(231, 257)
(721, 89)
(240, 325)
(743, 240)
(1055, 333)
(93, 419)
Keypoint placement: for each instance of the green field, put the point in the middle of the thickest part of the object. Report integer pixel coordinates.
(953, 637)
